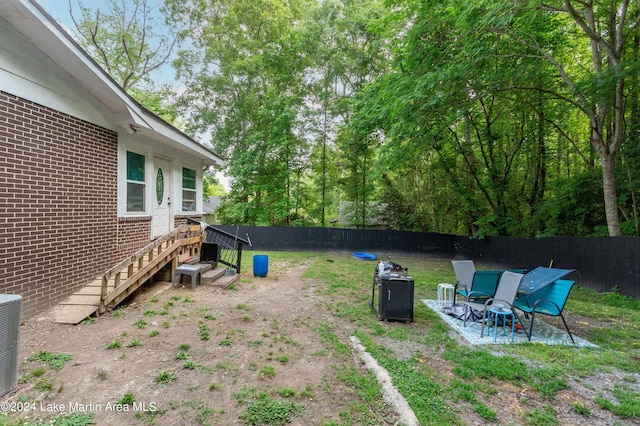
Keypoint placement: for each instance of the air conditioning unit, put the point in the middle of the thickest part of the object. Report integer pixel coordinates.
(10, 310)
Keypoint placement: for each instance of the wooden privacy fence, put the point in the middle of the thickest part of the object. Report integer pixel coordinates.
(604, 263)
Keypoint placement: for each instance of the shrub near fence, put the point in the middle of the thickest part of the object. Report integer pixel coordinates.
(604, 264)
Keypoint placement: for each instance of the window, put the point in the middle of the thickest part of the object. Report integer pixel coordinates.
(188, 190)
(135, 182)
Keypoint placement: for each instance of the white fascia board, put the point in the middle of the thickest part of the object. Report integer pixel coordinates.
(156, 129)
(49, 37)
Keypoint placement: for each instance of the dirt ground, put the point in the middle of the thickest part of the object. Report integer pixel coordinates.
(263, 322)
(261, 336)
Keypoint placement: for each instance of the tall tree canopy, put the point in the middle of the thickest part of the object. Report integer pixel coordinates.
(492, 88)
(125, 39)
(485, 117)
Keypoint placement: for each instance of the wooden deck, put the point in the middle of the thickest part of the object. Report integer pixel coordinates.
(118, 283)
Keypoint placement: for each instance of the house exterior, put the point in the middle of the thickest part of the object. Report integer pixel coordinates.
(210, 206)
(87, 174)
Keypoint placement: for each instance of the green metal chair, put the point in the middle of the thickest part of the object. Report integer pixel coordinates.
(483, 286)
(549, 300)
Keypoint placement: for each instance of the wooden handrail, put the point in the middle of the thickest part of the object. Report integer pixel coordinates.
(189, 236)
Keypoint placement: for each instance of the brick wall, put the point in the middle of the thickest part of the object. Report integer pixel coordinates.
(133, 234)
(183, 220)
(58, 217)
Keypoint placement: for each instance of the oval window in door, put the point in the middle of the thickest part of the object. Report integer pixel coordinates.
(160, 186)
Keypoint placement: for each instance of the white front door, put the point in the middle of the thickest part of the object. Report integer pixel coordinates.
(162, 217)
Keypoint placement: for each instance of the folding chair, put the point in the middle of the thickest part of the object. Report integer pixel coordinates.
(505, 294)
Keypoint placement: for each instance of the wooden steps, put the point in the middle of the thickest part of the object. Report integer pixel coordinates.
(218, 278)
(86, 301)
(115, 285)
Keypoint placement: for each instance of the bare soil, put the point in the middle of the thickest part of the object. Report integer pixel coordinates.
(263, 336)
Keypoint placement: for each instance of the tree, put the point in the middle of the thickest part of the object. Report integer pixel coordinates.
(601, 30)
(243, 74)
(351, 51)
(126, 39)
(468, 84)
(449, 107)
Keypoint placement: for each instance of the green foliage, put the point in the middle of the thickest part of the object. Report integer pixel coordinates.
(430, 404)
(72, 419)
(127, 399)
(204, 332)
(38, 372)
(54, 360)
(89, 320)
(190, 365)
(165, 377)
(410, 108)
(116, 344)
(286, 392)
(576, 208)
(581, 409)
(627, 404)
(282, 358)
(211, 185)
(266, 410)
(267, 372)
(466, 391)
(120, 311)
(126, 39)
(541, 416)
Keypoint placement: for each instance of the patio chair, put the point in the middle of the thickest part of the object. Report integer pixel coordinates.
(464, 270)
(483, 286)
(549, 300)
(505, 294)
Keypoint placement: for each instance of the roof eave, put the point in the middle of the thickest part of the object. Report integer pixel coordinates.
(49, 36)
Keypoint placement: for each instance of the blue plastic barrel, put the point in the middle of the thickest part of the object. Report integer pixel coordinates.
(260, 265)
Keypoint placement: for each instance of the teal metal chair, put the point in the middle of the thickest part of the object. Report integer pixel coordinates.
(483, 286)
(549, 300)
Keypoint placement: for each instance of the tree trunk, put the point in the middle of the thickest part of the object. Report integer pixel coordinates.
(610, 193)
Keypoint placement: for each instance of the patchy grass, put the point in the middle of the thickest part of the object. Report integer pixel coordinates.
(127, 399)
(204, 332)
(53, 360)
(267, 372)
(66, 419)
(165, 378)
(116, 344)
(264, 409)
(443, 381)
(609, 320)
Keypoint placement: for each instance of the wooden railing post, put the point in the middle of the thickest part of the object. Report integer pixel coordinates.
(103, 294)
